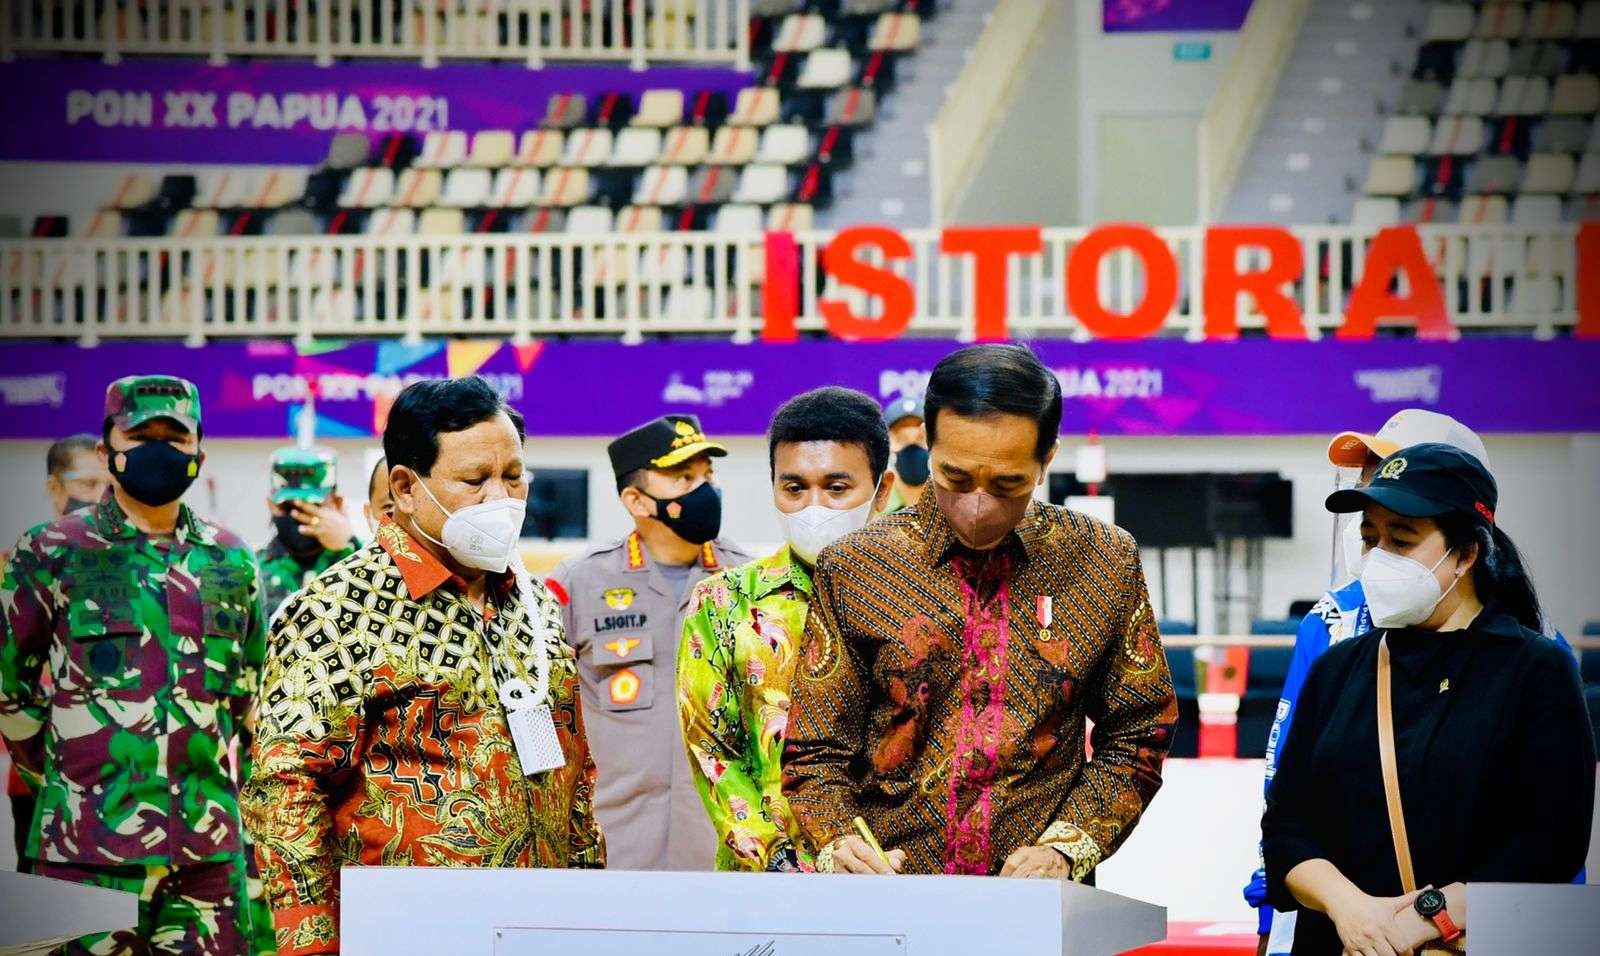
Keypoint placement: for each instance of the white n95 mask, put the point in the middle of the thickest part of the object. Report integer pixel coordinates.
(809, 530)
(1400, 592)
(482, 536)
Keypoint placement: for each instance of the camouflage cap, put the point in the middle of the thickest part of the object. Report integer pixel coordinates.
(136, 399)
(303, 475)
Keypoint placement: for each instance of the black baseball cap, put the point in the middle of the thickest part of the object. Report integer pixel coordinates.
(1425, 481)
(666, 442)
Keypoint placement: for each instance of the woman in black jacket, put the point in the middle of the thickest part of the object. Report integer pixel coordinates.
(1491, 738)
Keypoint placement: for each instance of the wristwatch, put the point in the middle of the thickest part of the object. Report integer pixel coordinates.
(1431, 906)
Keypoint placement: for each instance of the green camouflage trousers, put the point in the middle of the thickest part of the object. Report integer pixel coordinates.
(202, 910)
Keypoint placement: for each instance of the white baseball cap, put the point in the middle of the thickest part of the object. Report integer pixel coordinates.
(1407, 427)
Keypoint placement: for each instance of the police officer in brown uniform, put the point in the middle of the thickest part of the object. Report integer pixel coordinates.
(625, 602)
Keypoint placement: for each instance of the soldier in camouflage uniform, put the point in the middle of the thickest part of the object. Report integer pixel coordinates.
(308, 515)
(149, 621)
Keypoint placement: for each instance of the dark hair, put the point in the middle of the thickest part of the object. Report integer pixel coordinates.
(831, 414)
(631, 479)
(372, 480)
(432, 407)
(59, 458)
(983, 380)
(1500, 575)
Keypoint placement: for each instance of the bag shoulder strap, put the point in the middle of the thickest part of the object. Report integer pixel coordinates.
(1391, 772)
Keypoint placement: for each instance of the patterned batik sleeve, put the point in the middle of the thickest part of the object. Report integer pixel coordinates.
(307, 729)
(1133, 708)
(27, 618)
(249, 686)
(827, 720)
(726, 776)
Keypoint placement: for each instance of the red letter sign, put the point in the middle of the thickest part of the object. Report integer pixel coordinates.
(898, 299)
(1396, 251)
(990, 246)
(1224, 281)
(778, 291)
(1588, 281)
(1161, 282)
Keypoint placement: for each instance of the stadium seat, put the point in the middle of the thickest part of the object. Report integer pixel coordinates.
(712, 185)
(1551, 21)
(1185, 686)
(1576, 95)
(1484, 59)
(441, 222)
(1501, 21)
(1448, 22)
(853, 107)
(662, 186)
(590, 221)
(1588, 27)
(514, 188)
(291, 222)
(737, 217)
(825, 69)
(1484, 210)
(633, 219)
(1405, 136)
(1587, 180)
(1561, 134)
(1494, 174)
(1258, 706)
(1390, 176)
(784, 145)
(541, 148)
(443, 150)
(1456, 136)
(545, 220)
(790, 217)
(278, 188)
(1376, 211)
(761, 184)
(348, 151)
(733, 146)
(493, 148)
(1421, 98)
(590, 146)
(565, 111)
(896, 33)
(368, 187)
(800, 33)
(1429, 209)
(194, 224)
(1471, 97)
(224, 189)
(686, 146)
(1530, 210)
(755, 106)
(1548, 173)
(636, 147)
(418, 188)
(469, 188)
(392, 221)
(565, 186)
(659, 109)
(132, 191)
(1523, 96)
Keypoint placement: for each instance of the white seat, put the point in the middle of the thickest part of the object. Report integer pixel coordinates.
(224, 189)
(1551, 21)
(735, 217)
(1484, 210)
(790, 216)
(1375, 211)
(466, 188)
(632, 219)
(1448, 22)
(418, 188)
(590, 221)
(441, 222)
(587, 147)
(565, 186)
(493, 148)
(825, 69)
(104, 224)
(686, 146)
(636, 147)
(541, 148)
(368, 187)
(1548, 173)
(734, 146)
(1536, 210)
(659, 108)
(1472, 97)
(1405, 136)
(786, 145)
(132, 190)
(896, 33)
(662, 186)
(1390, 176)
(1501, 21)
(392, 222)
(1457, 136)
(1523, 96)
(1485, 58)
(800, 33)
(194, 224)
(755, 106)
(1576, 95)
(762, 184)
(1587, 180)
(278, 188)
(442, 149)
(514, 188)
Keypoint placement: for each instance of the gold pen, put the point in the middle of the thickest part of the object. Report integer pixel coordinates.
(872, 841)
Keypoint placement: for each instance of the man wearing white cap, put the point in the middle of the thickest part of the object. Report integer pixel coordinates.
(1342, 612)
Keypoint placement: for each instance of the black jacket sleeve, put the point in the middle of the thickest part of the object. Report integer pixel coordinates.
(1288, 836)
(1545, 837)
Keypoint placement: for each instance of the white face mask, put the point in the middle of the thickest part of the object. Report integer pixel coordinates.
(1350, 545)
(809, 530)
(482, 536)
(1400, 592)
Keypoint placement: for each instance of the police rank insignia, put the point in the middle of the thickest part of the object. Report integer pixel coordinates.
(619, 599)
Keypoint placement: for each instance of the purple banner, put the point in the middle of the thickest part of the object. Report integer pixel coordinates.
(270, 111)
(1173, 16)
(571, 389)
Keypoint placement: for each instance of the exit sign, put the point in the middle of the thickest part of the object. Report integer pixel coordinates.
(1191, 51)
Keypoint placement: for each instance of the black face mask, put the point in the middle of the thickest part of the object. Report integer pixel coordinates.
(695, 517)
(155, 473)
(73, 504)
(911, 464)
(294, 540)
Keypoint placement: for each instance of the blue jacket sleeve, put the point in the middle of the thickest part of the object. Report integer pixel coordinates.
(1309, 643)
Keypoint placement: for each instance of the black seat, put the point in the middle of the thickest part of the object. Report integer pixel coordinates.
(1180, 660)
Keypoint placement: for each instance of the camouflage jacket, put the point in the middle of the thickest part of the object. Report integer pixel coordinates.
(154, 645)
(381, 739)
(282, 574)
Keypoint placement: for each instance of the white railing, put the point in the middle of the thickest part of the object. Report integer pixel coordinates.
(973, 103)
(635, 31)
(1229, 124)
(703, 283)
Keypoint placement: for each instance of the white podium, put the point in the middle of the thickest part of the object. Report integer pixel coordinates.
(480, 912)
(38, 914)
(1516, 919)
